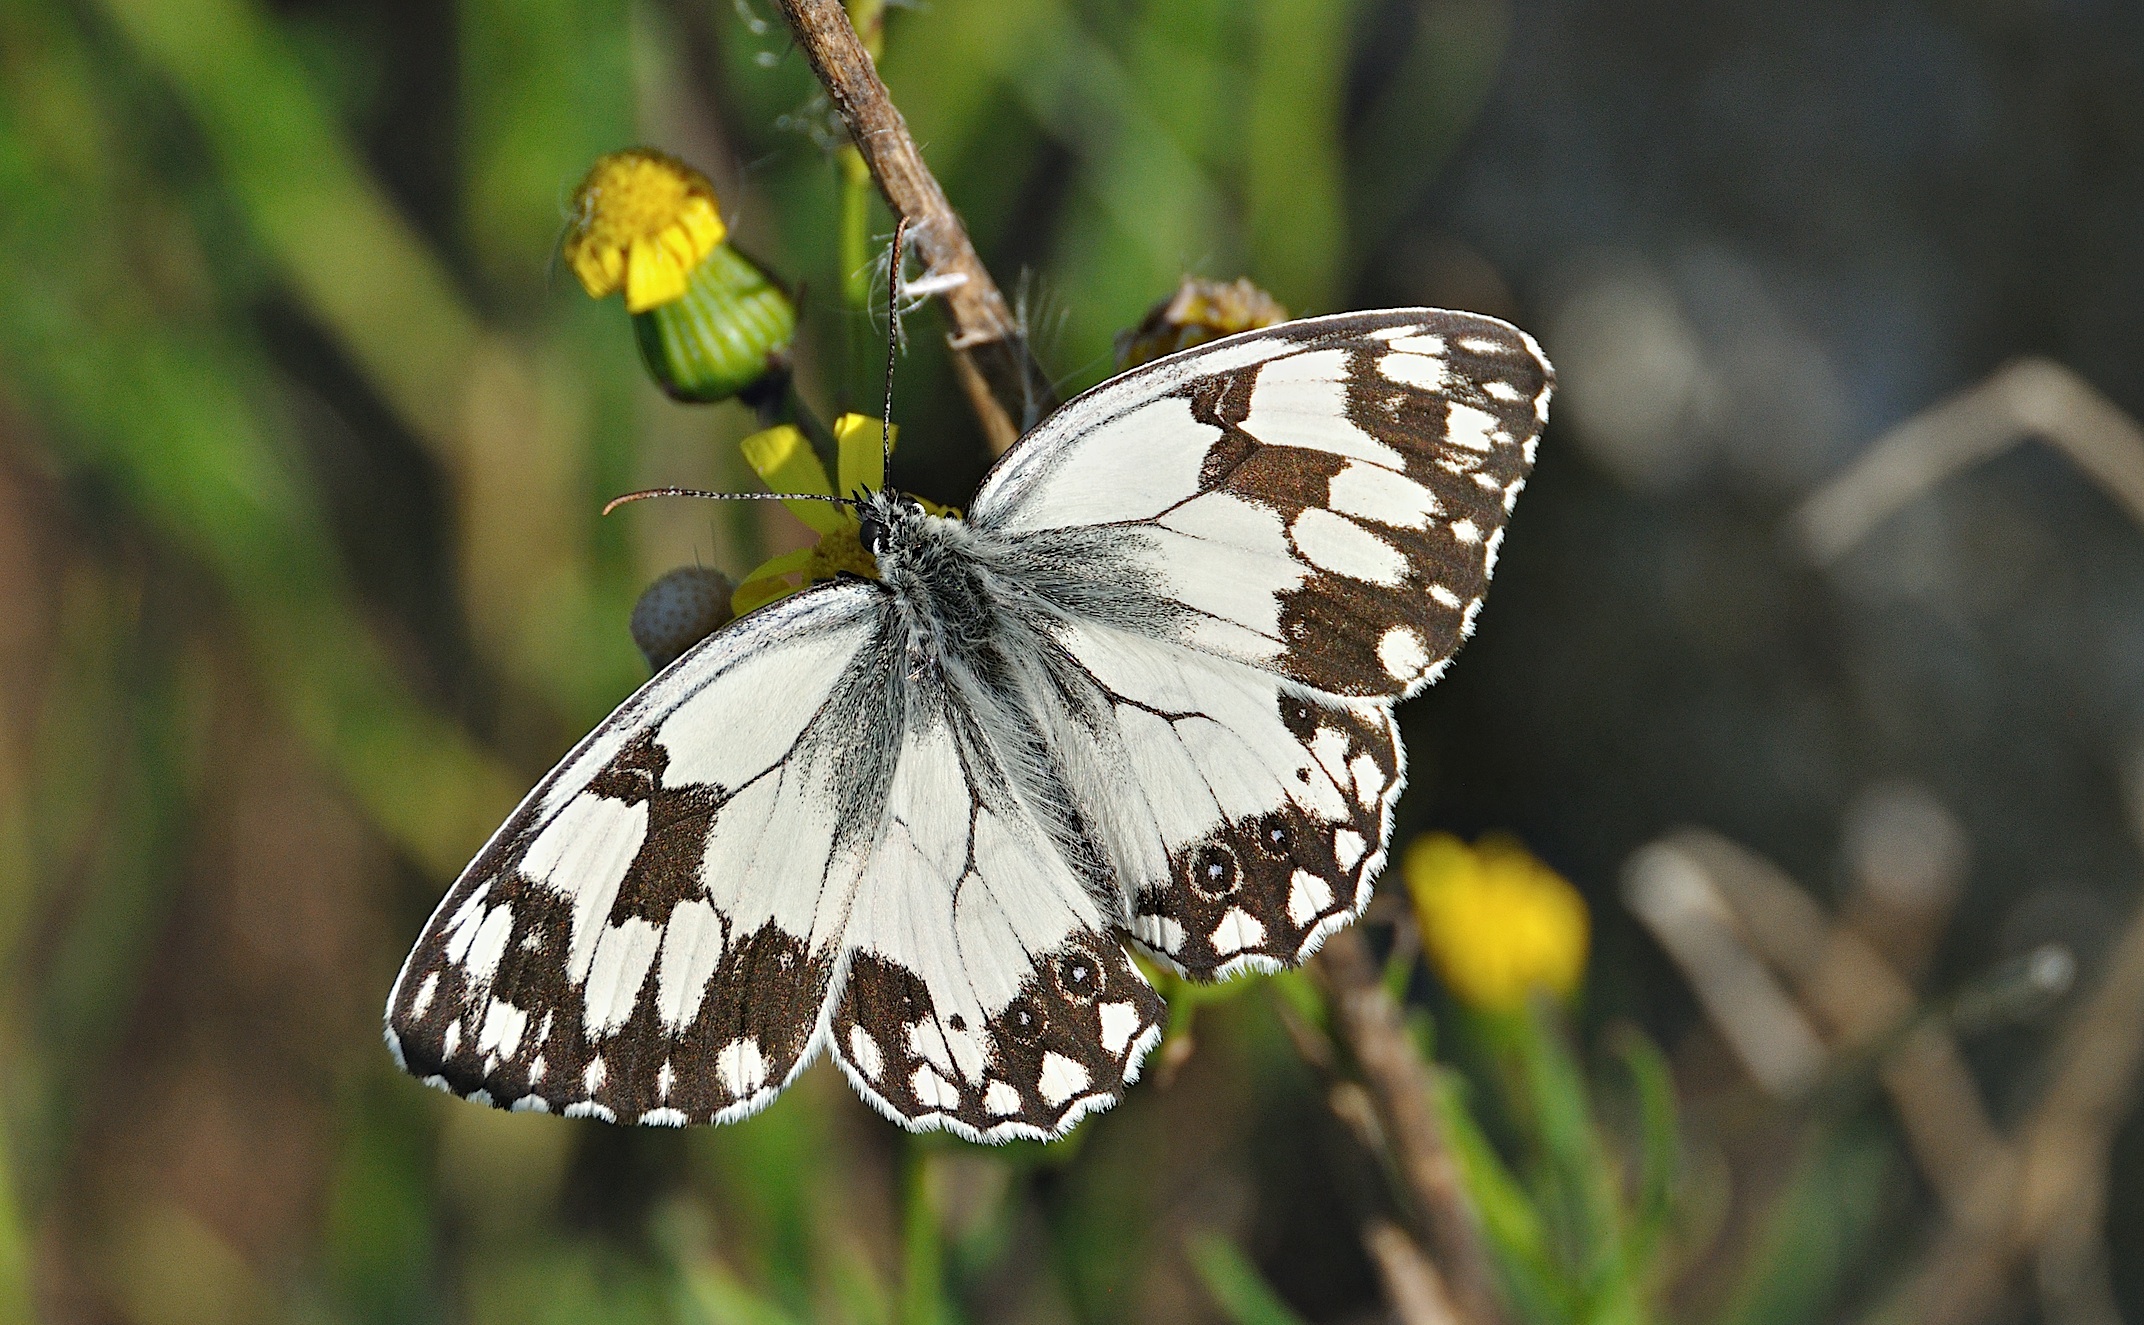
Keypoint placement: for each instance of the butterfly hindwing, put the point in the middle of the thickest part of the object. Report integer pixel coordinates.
(1249, 813)
(986, 993)
(1324, 498)
(652, 935)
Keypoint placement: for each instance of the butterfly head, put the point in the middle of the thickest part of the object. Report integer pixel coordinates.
(888, 520)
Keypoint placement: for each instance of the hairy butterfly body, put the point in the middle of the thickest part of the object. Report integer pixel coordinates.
(1145, 691)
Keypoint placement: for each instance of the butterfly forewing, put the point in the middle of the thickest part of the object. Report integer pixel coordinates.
(1324, 498)
(652, 934)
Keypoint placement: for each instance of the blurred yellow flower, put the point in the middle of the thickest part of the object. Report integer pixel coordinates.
(1496, 922)
(642, 220)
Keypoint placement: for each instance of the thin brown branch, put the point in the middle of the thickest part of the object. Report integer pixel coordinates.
(1010, 393)
(1007, 389)
(1867, 1008)
(1368, 1022)
(2039, 1193)
(1674, 896)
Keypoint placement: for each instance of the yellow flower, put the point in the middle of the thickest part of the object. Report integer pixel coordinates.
(1496, 922)
(642, 220)
(783, 458)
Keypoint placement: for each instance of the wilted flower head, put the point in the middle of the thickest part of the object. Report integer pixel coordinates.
(1198, 312)
(642, 220)
(1496, 922)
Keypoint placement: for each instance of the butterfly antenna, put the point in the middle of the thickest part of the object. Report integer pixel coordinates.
(893, 345)
(645, 493)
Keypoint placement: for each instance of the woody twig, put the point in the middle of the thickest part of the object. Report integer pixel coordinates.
(1369, 1024)
(1006, 387)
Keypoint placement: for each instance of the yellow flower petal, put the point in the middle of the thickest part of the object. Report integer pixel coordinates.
(1496, 922)
(757, 593)
(770, 581)
(702, 223)
(785, 462)
(642, 220)
(858, 454)
(653, 275)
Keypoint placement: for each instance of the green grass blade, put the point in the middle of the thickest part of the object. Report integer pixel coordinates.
(1235, 1285)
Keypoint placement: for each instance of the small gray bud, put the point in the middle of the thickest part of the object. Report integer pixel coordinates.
(678, 611)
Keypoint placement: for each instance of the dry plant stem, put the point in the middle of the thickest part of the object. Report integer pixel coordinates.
(1007, 389)
(2027, 398)
(1369, 1024)
(1862, 1002)
(1671, 891)
(2058, 1179)
(2039, 1193)
(1009, 394)
(1412, 1285)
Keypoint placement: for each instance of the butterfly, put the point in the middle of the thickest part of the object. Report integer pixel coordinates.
(1142, 694)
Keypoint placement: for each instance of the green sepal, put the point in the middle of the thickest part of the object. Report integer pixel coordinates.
(729, 332)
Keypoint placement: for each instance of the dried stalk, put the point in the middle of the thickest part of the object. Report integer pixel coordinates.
(2054, 1191)
(1006, 387)
(1412, 1285)
(1866, 1007)
(2037, 1194)
(1368, 1022)
(2026, 398)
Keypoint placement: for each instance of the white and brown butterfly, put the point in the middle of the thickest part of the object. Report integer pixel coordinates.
(1144, 693)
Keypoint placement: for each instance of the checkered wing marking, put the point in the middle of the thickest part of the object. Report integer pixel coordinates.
(1323, 499)
(1249, 813)
(985, 993)
(652, 935)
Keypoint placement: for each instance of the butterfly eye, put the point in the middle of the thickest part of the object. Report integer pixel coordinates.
(871, 532)
(1213, 871)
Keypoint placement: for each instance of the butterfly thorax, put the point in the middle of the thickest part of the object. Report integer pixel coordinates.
(974, 642)
(948, 612)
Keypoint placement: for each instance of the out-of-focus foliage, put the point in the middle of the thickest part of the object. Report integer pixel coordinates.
(1579, 1227)
(304, 429)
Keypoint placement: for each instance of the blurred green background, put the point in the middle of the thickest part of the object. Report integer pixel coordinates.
(304, 431)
